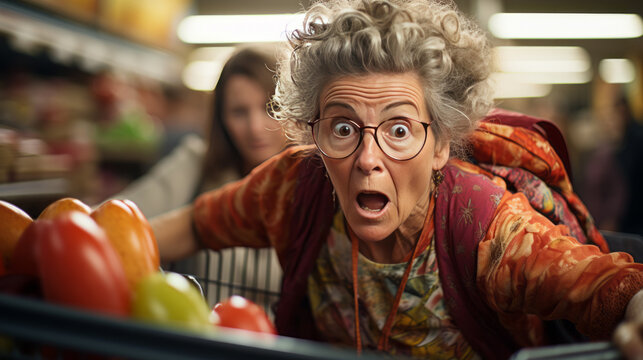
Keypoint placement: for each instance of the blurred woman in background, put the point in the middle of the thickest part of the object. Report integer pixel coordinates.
(241, 136)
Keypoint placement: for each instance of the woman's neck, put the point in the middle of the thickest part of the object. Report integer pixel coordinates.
(397, 246)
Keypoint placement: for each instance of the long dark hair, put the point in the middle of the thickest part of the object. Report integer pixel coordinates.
(257, 63)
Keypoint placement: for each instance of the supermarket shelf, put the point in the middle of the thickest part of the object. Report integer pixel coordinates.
(34, 189)
(43, 323)
(90, 46)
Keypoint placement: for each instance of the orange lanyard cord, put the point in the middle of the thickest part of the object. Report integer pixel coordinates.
(354, 256)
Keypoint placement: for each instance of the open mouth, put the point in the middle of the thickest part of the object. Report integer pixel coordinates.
(372, 201)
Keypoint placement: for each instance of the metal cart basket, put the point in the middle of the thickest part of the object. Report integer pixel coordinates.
(252, 273)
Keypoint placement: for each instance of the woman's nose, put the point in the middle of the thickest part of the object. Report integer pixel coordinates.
(258, 122)
(369, 154)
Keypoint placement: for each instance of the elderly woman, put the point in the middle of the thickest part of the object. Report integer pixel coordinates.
(370, 222)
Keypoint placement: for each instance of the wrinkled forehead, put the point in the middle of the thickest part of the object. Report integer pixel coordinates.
(373, 90)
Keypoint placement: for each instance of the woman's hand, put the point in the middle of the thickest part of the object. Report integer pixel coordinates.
(629, 334)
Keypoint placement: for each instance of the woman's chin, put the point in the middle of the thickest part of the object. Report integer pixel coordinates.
(371, 233)
(370, 228)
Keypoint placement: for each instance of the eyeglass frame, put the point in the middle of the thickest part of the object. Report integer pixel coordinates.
(361, 135)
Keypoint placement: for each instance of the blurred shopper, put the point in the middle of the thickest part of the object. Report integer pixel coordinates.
(241, 136)
(613, 174)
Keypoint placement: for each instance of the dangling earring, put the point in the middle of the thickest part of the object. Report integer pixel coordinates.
(437, 177)
(333, 193)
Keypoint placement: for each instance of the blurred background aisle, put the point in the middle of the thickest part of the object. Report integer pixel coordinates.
(94, 92)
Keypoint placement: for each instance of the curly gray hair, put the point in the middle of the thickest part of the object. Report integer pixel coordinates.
(350, 37)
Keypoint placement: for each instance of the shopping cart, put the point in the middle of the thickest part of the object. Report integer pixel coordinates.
(37, 329)
(252, 273)
(34, 329)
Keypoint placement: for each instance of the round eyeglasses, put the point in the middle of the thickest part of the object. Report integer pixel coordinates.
(399, 138)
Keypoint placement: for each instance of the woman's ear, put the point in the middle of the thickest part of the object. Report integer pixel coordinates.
(441, 155)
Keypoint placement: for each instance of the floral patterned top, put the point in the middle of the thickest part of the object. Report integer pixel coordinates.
(423, 326)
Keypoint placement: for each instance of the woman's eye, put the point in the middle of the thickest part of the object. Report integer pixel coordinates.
(239, 112)
(399, 131)
(343, 129)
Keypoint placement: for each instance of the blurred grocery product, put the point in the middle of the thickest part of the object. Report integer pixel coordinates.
(168, 299)
(14, 221)
(131, 236)
(63, 205)
(79, 257)
(240, 313)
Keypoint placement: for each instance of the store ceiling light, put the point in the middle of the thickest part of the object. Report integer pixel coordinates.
(204, 67)
(542, 64)
(201, 75)
(565, 26)
(510, 88)
(548, 77)
(616, 71)
(541, 59)
(229, 29)
(211, 53)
